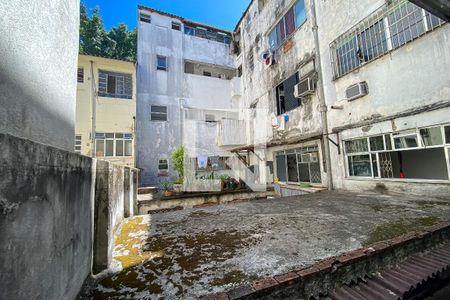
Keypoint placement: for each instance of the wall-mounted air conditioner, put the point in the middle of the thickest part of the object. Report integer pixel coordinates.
(304, 87)
(356, 91)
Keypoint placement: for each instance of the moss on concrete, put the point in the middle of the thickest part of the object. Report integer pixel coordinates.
(394, 229)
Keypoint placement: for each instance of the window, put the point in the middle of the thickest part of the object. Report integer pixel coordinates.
(145, 18)
(161, 62)
(176, 26)
(359, 165)
(239, 71)
(285, 95)
(299, 165)
(204, 33)
(78, 143)
(385, 30)
(113, 144)
(292, 20)
(206, 73)
(376, 143)
(189, 30)
(80, 75)
(431, 136)
(447, 134)
(406, 141)
(158, 113)
(115, 85)
(163, 167)
(410, 157)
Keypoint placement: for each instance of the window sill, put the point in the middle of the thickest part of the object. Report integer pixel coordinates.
(395, 180)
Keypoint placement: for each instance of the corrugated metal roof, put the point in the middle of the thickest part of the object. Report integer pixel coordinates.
(399, 282)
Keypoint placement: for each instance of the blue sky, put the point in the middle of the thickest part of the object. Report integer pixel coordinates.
(223, 14)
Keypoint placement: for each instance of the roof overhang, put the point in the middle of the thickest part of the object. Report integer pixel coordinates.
(439, 8)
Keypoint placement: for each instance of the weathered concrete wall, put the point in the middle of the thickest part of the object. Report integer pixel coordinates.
(115, 199)
(191, 201)
(172, 88)
(38, 59)
(260, 82)
(48, 218)
(45, 223)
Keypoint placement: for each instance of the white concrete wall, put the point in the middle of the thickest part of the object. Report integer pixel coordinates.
(174, 88)
(38, 59)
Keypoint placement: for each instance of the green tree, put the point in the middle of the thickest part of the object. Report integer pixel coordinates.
(119, 42)
(177, 157)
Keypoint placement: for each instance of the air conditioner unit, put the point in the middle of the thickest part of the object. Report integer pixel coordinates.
(356, 91)
(304, 87)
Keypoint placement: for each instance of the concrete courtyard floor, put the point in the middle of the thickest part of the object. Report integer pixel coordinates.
(190, 253)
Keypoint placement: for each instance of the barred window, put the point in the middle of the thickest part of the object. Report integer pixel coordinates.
(385, 30)
(115, 85)
(80, 75)
(145, 18)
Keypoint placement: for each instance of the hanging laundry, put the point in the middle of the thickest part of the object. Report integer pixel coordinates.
(202, 162)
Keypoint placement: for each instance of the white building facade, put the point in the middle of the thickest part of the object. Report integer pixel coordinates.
(184, 75)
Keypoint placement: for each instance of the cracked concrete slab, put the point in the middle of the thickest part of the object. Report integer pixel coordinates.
(190, 253)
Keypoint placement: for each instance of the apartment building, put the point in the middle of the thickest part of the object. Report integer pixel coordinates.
(275, 48)
(386, 78)
(382, 67)
(186, 82)
(106, 109)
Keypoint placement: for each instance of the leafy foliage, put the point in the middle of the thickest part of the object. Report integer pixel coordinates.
(178, 160)
(119, 42)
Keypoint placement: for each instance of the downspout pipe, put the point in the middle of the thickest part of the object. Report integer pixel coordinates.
(94, 110)
(321, 94)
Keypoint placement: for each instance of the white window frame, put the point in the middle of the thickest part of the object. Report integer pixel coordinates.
(78, 143)
(414, 132)
(126, 138)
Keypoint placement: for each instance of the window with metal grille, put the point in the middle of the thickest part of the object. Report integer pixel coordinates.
(161, 62)
(78, 143)
(387, 29)
(80, 75)
(113, 144)
(115, 85)
(158, 113)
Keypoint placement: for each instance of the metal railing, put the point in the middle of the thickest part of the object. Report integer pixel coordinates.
(388, 28)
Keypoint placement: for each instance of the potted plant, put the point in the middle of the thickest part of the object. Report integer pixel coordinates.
(178, 185)
(177, 157)
(165, 186)
(223, 181)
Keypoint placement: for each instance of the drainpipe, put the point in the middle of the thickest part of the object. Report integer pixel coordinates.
(321, 94)
(94, 108)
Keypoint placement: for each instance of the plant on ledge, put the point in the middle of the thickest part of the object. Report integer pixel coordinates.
(177, 157)
(166, 188)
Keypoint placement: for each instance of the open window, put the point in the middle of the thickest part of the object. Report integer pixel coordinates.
(413, 154)
(285, 99)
